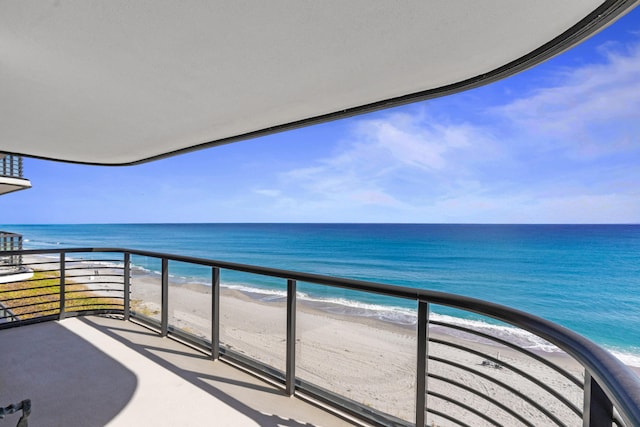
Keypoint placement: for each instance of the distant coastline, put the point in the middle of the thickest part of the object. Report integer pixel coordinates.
(553, 271)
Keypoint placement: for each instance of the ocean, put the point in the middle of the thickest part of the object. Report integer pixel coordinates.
(584, 277)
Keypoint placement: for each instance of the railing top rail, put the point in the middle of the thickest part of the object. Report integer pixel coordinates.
(9, 234)
(620, 383)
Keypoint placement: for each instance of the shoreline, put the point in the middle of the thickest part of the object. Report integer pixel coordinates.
(357, 356)
(318, 307)
(372, 313)
(361, 312)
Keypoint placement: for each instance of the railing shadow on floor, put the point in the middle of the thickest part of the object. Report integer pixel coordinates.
(195, 367)
(69, 381)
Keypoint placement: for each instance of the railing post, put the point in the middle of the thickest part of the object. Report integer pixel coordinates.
(598, 409)
(164, 316)
(215, 313)
(422, 362)
(63, 302)
(19, 247)
(127, 285)
(291, 337)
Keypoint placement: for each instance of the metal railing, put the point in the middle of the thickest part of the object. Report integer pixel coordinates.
(457, 376)
(10, 242)
(24, 406)
(60, 287)
(11, 166)
(7, 315)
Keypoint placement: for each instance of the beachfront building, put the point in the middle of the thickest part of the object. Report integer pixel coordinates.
(10, 264)
(120, 83)
(11, 179)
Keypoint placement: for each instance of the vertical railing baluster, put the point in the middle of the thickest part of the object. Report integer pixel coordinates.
(19, 247)
(422, 363)
(127, 285)
(215, 313)
(291, 337)
(164, 317)
(598, 409)
(63, 301)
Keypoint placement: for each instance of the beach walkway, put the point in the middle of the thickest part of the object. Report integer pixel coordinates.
(97, 371)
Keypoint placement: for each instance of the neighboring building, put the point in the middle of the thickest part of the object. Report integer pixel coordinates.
(11, 178)
(11, 267)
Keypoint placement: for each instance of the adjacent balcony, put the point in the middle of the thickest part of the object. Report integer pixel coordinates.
(11, 178)
(11, 267)
(96, 334)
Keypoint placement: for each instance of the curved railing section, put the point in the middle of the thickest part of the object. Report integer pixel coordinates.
(451, 360)
(51, 286)
(10, 166)
(10, 242)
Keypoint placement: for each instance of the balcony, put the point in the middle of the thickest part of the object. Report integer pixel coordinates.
(11, 268)
(160, 351)
(95, 339)
(11, 178)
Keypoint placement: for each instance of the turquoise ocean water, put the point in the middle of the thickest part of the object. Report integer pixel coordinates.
(584, 277)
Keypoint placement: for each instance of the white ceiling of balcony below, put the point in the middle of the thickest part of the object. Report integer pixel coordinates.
(119, 81)
(9, 184)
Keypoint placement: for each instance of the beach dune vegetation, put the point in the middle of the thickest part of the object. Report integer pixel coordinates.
(40, 296)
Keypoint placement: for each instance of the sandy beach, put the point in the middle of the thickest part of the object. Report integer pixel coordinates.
(367, 360)
(370, 361)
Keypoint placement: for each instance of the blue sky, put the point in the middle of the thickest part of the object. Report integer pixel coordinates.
(559, 143)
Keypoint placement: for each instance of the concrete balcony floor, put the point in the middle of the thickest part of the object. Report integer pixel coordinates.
(97, 371)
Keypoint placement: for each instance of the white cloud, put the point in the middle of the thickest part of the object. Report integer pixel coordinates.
(268, 192)
(576, 114)
(526, 208)
(567, 153)
(416, 140)
(372, 197)
(391, 160)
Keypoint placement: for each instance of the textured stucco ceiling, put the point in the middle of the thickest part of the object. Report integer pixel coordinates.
(119, 81)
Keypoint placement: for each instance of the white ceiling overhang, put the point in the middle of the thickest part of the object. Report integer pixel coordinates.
(121, 81)
(9, 185)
